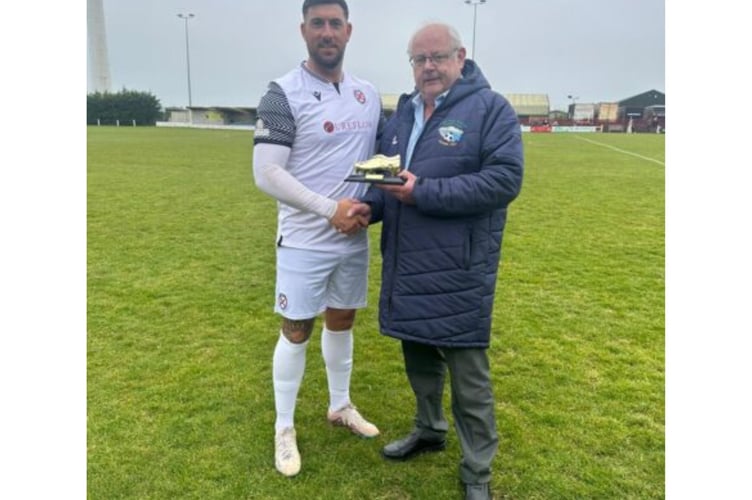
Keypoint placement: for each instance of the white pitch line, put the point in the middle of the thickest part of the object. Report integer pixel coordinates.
(620, 150)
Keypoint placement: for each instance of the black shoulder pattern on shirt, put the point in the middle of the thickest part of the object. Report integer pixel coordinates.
(275, 123)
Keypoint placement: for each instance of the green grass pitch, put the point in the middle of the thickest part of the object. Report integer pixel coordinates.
(180, 332)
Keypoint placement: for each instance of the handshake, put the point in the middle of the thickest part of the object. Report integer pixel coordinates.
(351, 216)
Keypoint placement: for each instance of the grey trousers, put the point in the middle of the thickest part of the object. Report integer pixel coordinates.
(472, 402)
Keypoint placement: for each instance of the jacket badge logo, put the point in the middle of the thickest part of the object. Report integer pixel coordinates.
(359, 96)
(317, 95)
(394, 140)
(451, 132)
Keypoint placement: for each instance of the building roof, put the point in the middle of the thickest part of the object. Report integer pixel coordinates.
(523, 104)
(644, 100)
(529, 104)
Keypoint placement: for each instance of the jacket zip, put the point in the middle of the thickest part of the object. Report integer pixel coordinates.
(403, 151)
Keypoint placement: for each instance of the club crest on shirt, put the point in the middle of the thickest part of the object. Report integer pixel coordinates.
(451, 132)
(317, 95)
(359, 96)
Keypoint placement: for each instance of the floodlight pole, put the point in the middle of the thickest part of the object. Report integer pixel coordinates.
(186, 17)
(474, 3)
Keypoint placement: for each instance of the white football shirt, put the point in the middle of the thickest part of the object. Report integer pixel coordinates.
(328, 128)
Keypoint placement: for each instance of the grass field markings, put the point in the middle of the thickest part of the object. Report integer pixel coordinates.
(180, 334)
(621, 150)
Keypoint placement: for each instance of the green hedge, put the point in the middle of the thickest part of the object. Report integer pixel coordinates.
(124, 106)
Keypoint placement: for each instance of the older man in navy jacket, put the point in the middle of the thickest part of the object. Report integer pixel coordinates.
(461, 150)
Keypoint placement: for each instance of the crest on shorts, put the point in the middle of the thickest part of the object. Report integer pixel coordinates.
(282, 301)
(359, 96)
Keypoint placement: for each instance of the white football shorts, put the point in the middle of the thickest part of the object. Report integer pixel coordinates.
(309, 281)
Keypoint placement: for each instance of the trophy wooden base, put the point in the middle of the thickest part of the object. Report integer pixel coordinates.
(375, 180)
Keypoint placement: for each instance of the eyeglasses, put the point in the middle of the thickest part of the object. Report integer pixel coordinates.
(436, 59)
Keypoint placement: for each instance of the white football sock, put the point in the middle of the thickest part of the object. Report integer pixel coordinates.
(288, 366)
(337, 349)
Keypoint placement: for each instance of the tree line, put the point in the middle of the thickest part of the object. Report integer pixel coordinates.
(107, 108)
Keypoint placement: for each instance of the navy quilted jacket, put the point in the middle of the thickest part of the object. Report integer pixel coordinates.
(441, 255)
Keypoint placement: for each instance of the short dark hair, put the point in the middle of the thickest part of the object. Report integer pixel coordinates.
(307, 4)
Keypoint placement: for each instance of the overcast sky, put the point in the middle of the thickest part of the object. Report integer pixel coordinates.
(596, 50)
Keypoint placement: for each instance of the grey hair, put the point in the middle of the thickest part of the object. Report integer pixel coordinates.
(454, 36)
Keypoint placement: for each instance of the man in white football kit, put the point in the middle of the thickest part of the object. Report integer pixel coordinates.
(313, 124)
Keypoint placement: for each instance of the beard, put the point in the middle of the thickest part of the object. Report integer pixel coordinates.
(330, 62)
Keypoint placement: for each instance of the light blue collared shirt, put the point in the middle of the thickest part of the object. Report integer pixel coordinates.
(419, 123)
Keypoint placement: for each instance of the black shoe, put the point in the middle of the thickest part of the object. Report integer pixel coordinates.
(477, 492)
(410, 446)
